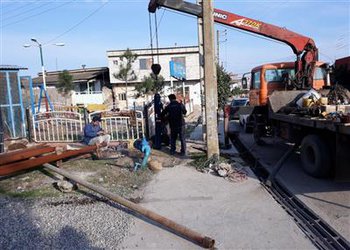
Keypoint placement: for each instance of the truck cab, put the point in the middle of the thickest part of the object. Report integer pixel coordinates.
(267, 78)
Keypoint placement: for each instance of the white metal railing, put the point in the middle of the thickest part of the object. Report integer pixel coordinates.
(87, 92)
(123, 125)
(57, 126)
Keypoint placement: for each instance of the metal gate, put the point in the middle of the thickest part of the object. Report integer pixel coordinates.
(122, 125)
(57, 126)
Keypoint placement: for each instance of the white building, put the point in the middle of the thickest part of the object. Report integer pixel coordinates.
(187, 56)
(90, 86)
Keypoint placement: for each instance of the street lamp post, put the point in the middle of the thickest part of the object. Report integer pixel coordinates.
(42, 61)
(41, 57)
(42, 67)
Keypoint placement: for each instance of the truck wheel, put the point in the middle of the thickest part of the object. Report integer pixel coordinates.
(315, 156)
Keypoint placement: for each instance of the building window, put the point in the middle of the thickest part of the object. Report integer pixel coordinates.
(115, 62)
(122, 96)
(145, 63)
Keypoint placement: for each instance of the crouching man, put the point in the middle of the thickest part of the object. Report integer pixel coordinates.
(94, 134)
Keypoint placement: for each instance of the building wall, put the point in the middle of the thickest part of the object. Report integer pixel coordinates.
(191, 55)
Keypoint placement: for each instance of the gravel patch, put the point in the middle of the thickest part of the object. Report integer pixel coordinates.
(62, 223)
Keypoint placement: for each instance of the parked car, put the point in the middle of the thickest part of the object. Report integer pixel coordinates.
(235, 106)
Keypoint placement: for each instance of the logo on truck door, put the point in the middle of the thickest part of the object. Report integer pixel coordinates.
(247, 23)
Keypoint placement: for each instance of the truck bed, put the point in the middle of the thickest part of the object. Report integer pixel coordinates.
(312, 122)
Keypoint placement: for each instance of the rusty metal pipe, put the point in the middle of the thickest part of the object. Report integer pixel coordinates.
(201, 240)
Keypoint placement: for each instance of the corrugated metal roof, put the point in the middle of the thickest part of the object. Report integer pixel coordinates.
(11, 67)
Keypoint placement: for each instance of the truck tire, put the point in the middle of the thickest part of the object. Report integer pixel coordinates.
(315, 156)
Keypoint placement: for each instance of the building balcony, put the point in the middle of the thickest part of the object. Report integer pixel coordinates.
(87, 97)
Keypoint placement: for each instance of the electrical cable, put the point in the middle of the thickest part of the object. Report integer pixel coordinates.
(37, 14)
(15, 9)
(24, 12)
(77, 24)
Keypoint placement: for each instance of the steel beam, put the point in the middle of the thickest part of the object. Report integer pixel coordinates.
(32, 163)
(24, 154)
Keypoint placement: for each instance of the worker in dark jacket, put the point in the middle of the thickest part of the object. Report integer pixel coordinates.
(94, 134)
(174, 114)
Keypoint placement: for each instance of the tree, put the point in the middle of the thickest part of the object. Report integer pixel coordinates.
(126, 73)
(150, 85)
(65, 83)
(224, 80)
(238, 91)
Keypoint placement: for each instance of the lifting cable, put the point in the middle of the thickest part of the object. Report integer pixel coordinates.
(156, 26)
(155, 66)
(150, 34)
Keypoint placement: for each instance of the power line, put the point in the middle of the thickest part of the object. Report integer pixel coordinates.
(77, 24)
(26, 11)
(23, 19)
(15, 9)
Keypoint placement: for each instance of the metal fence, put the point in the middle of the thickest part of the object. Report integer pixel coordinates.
(68, 126)
(57, 126)
(122, 125)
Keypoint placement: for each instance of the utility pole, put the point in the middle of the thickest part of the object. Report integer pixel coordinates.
(211, 93)
(218, 47)
(218, 33)
(201, 68)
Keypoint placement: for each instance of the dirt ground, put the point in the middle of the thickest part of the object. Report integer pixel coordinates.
(114, 172)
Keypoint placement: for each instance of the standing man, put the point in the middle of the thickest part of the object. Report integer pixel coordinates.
(94, 134)
(174, 113)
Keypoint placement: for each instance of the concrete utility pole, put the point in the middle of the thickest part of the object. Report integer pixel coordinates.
(201, 69)
(218, 46)
(211, 93)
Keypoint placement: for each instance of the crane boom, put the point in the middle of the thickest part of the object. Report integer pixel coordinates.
(303, 47)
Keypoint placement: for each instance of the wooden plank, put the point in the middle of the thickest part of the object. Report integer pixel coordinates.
(31, 163)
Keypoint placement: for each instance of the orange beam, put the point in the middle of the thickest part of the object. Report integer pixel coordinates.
(20, 155)
(31, 163)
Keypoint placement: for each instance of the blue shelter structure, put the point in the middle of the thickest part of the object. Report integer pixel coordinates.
(11, 103)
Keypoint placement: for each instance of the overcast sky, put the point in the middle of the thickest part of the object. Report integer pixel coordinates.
(89, 28)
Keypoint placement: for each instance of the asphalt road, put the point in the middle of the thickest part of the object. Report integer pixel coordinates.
(326, 197)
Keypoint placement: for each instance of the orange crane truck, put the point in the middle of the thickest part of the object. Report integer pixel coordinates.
(325, 142)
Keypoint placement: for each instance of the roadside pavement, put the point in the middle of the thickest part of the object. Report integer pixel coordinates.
(238, 215)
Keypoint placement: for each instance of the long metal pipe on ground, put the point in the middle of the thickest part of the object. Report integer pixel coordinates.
(201, 240)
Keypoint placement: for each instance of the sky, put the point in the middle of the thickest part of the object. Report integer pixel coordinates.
(89, 28)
